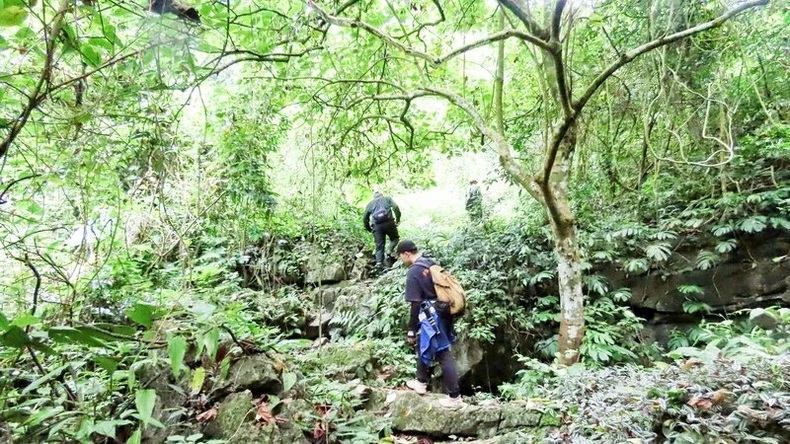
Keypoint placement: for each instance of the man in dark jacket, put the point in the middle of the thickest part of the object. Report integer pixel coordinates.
(431, 333)
(381, 218)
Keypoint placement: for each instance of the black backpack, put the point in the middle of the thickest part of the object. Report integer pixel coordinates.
(382, 212)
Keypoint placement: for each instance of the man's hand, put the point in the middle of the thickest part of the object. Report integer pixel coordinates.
(411, 337)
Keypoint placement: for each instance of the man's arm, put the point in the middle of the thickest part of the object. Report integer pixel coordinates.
(396, 210)
(414, 318)
(366, 218)
(414, 297)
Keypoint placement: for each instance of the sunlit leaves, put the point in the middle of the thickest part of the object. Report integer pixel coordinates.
(143, 313)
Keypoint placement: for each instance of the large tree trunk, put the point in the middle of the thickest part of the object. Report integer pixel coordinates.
(569, 275)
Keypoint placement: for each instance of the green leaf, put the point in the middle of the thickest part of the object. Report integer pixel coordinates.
(4, 324)
(658, 252)
(12, 16)
(197, 380)
(289, 379)
(753, 224)
(30, 206)
(142, 313)
(210, 340)
(70, 335)
(176, 348)
(721, 230)
(15, 337)
(145, 400)
(135, 438)
(726, 246)
(124, 330)
(780, 222)
(107, 428)
(90, 55)
(108, 364)
(26, 320)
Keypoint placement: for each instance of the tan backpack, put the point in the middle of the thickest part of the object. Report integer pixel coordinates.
(448, 289)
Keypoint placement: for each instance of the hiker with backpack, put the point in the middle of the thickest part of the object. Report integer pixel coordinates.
(430, 326)
(474, 201)
(381, 217)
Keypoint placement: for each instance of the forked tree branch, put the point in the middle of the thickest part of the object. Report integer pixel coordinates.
(501, 145)
(40, 90)
(556, 19)
(562, 129)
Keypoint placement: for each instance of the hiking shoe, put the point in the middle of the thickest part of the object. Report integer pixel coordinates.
(419, 387)
(452, 403)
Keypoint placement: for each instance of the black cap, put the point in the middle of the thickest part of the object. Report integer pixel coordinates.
(406, 245)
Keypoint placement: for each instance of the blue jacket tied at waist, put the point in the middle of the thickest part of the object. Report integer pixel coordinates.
(435, 333)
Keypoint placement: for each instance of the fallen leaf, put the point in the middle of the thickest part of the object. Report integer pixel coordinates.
(264, 415)
(700, 403)
(208, 415)
(719, 396)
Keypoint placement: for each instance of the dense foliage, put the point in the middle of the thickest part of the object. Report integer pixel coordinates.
(166, 181)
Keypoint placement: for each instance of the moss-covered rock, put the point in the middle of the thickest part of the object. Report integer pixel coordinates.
(341, 361)
(236, 422)
(411, 412)
(257, 373)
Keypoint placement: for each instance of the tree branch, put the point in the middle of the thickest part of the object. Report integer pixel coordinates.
(526, 18)
(556, 19)
(657, 43)
(14, 182)
(501, 35)
(502, 147)
(45, 79)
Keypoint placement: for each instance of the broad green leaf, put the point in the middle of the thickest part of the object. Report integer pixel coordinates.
(103, 333)
(107, 363)
(69, 335)
(145, 400)
(753, 224)
(726, 246)
(211, 342)
(135, 438)
(90, 55)
(26, 320)
(4, 324)
(658, 252)
(289, 379)
(123, 330)
(15, 337)
(107, 428)
(197, 380)
(176, 348)
(12, 16)
(142, 313)
(30, 206)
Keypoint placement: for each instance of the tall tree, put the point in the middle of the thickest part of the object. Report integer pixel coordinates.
(545, 33)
